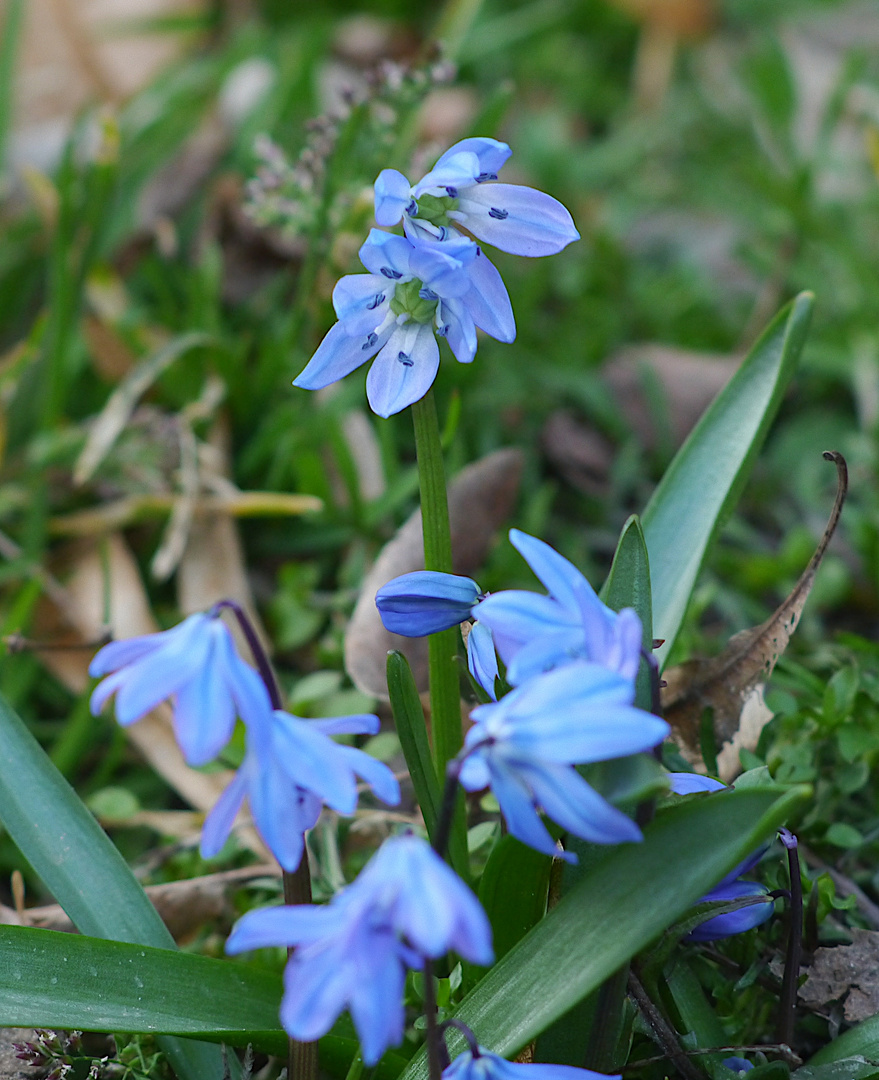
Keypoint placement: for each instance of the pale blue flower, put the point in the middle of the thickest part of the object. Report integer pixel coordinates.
(354, 952)
(413, 292)
(482, 658)
(195, 665)
(524, 748)
(535, 633)
(460, 190)
(487, 1066)
(425, 602)
(290, 770)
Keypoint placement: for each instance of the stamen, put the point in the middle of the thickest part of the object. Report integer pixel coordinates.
(375, 301)
(426, 293)
(412, 209)
(483, 176)
(389, 273)
(371, 339)
(452, 192)
(495, 212)
(405, 359)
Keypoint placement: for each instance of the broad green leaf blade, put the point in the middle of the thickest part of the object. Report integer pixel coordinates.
(70, 981)
(80, 866)
(513, 891)
(628, 583)
(707, 474)
(625, 901)
(860, 1041)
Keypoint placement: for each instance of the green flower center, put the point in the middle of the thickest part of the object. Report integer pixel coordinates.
(407, 300)
(435, 209)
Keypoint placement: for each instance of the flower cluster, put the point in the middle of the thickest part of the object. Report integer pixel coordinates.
(434, 281)
(291, 768)
(573, 664)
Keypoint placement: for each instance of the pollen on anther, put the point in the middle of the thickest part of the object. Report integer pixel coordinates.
(389, 273)
(405, 359)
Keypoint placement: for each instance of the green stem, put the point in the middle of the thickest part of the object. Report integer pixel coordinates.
(445, 701)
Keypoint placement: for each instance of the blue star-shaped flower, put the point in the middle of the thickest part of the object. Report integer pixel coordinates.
(483, 1065)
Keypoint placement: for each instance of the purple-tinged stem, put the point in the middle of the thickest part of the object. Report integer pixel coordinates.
(788, 1002)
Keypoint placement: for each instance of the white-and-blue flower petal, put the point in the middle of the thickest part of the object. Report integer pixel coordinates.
(361, 302)
(559, 576)
(337, 356)
(404, 370)
(488, 301)
(518, 220)
(491, 155)
(453, 171)
(393, 195)
(482, 659)
(387, 255)
(458, 328)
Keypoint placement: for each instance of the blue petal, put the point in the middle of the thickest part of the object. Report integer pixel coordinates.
(559, 576)
(517, 806)
(404, 370)
(286, 926)
(392, 195)
(379, 777)
(735, 922)
(204, 713)
(685, 783)
(737, 1064)
(281, 813)
(362, 301)
(312, 761)
(388, 255)
(121, 653)
(356, 724)
(315, 992)
(481, 658)
(142, 685)
(490, 153)
(489, 1066)
(541, 654)
(454, 170)
(376, 1002)
(337, 356)
(516, 219)
(218, 823)
(425, 602)
(488, 300)
(460, 330)
(444, 267)
(566, 797)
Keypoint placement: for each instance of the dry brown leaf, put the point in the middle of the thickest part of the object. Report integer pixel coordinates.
(581, 454)
(96, 570)
(480, 499)
(848, 973)
(731, 684)
(183, 905)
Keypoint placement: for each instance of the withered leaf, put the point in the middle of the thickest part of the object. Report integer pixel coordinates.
(731, 684)
(480, 499)
(848, 973)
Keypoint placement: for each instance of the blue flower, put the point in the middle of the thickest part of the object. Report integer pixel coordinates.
(738, 1064)
(413, 291)
(482, 659)
(425, 601)
(687, 783)
(534, 633)
(459, 189)
(524, 748)
(738, 921)
(291, 768)
(487, 1066)
(197, 666)
(405, 906)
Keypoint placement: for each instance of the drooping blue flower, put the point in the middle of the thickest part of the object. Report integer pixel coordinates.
(525, 746)
(460, 189)
(487, 1066)
(413, 291)
(290, 770)
(354, 952)
(425, 601)
(482, 658)
(738, 921)
(195, 665)
(535, 633)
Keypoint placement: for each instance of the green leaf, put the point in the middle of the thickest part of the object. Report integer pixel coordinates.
(81, 868)
(628, 583)
(513, 891)
(71, 981)
(861, 1041)
(707, 474)
(850, 1068)
(626, 900)
(412, 732)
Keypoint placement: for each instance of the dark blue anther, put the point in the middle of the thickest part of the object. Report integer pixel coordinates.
(443, 232)
(389, 273)
(499, 214)
(452, 192)
(443, 331)
(405, 359)
(375, 301)
(483, 176)
(427, 293)
(370, 341)
(412, 209)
